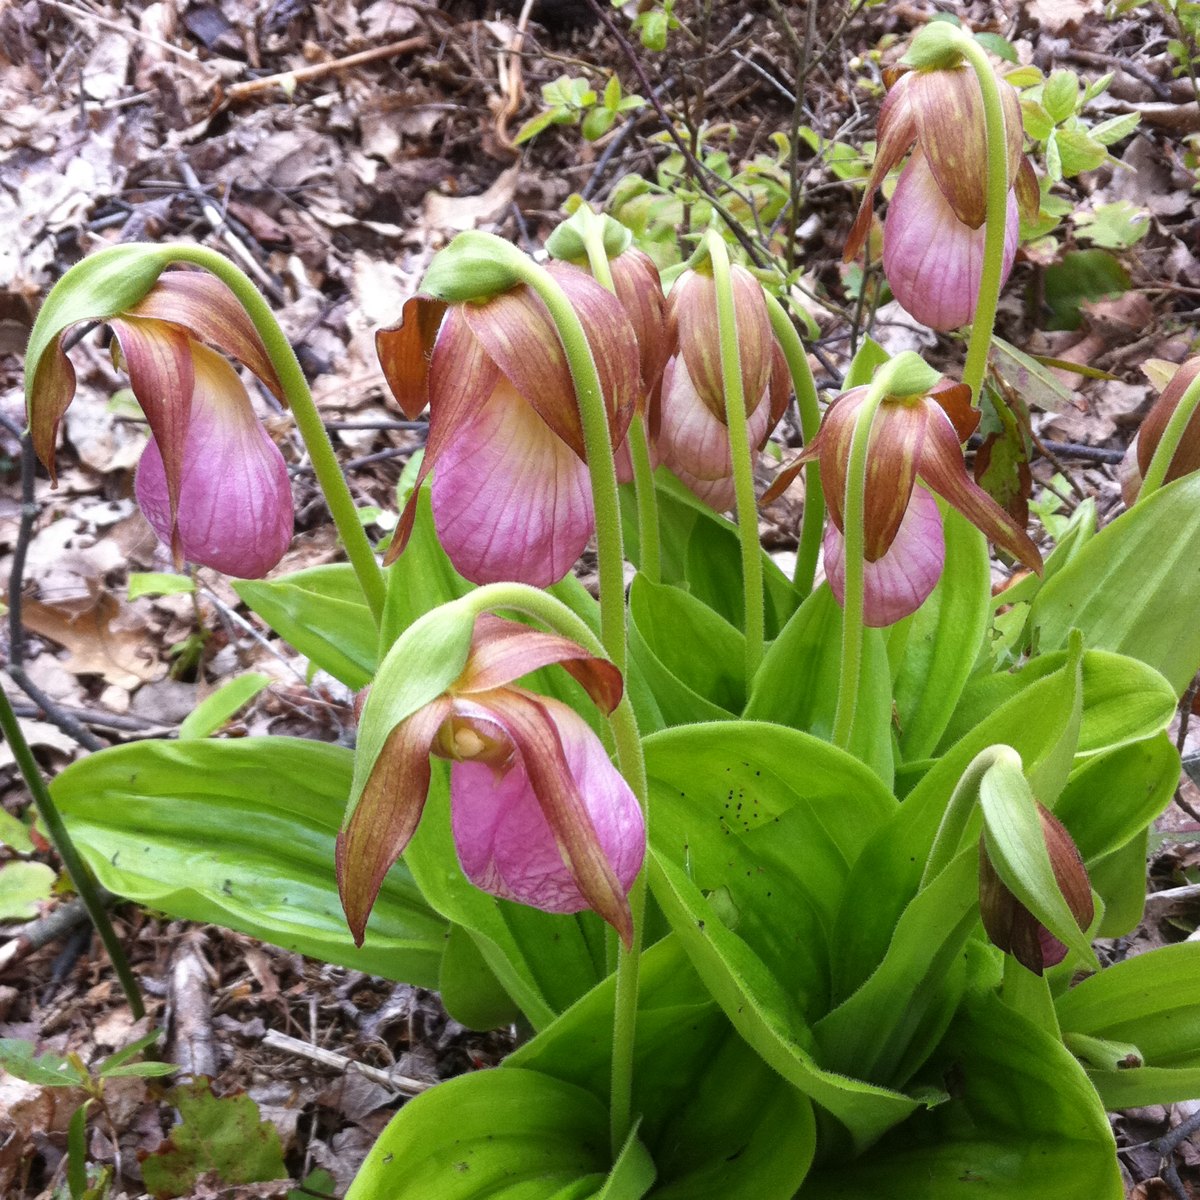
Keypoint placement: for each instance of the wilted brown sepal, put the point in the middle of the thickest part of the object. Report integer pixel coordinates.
(405, 351)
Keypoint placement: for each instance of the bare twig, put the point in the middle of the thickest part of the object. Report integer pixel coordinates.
(216, 220)
(392, 1080)
(1167, 1145)
(288, 79)
(55, 924)
(126, 30)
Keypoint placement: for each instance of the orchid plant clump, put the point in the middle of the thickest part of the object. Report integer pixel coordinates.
(790, 884)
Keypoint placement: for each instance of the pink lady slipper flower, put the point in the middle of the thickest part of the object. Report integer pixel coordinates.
(934, 231)
(511, 494)
(911, 437)
(211, 482)
(538, 812)
(693, 438)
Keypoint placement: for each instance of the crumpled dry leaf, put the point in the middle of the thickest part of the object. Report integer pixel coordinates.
(39, 733)
(453, 214)
(1061, 16)
(108, 640)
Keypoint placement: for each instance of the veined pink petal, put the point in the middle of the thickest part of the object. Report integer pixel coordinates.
(502, 651)
(206, 309)
(235, 500)
(158, 356)
(387, 813)
(694, 444)
(514, 841)
(933, 261)
(511, 500)
(898, 583)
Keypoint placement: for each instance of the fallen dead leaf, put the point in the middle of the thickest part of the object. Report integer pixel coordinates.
(453, 214)
(99, 640)
(1061, 16)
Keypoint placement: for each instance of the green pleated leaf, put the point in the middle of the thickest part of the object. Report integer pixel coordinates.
(472, 994)
(501, 1135)
(1149, 1001)
(241, 834)
(1124, 700)
(1024, 1123)
(936, 647)
(1112, 797)
(213, 711)
(701, 553)
(797, 683)
(322, 612)
(1134, 587)
(717, 1120)
(885, 1031)
(693, 659)
(1119, 879)
(755, 829)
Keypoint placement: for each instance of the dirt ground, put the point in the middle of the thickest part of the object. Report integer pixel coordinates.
(331, 148)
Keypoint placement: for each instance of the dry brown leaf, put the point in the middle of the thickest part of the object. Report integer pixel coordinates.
(39, 733)
(1061, 16)
(102, 641)
(453, 214)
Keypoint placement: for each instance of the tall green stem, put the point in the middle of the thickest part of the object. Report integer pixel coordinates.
(904, 375)
(853, 515)
(308, 420)
(555, 615)
(649, 548)
(593, 414)
(740, 456)
(81, 877)
(610, 553)
(805, 387)
(1168, 444)
(997, 215)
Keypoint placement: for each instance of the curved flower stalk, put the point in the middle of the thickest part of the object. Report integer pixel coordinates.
(538, 812)
(511, 496)
(693, 438)
(211, 481)
(933, 235)
(912, 437)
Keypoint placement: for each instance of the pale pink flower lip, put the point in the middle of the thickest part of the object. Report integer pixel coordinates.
(234, 505)
(511, 500)
(933, 262)
(694, 444)
(899, 582)
(505, 842)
